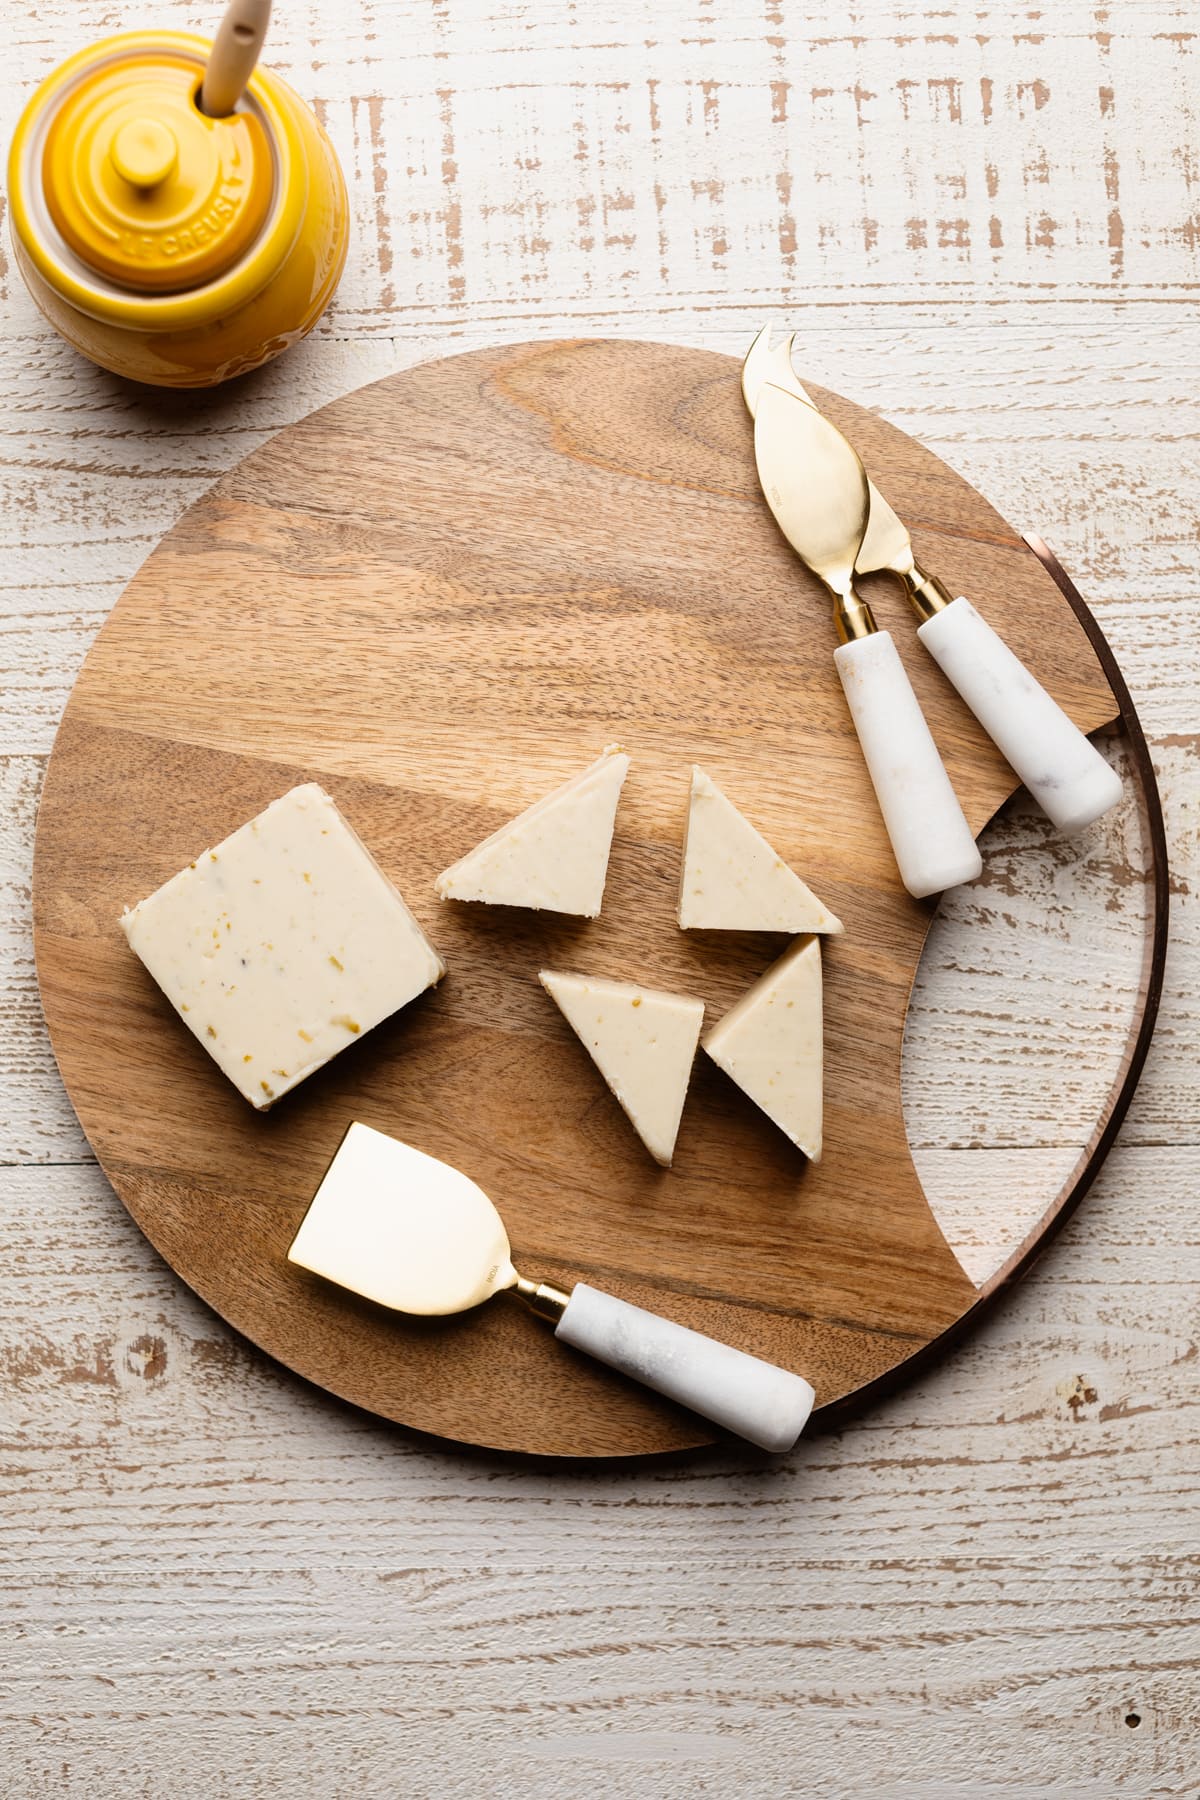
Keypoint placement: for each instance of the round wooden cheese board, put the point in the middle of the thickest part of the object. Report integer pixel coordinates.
(440, 596)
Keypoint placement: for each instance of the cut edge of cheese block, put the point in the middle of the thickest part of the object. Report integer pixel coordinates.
(642, 1040)
(553, 857)
(732, 879)
(163, 949)
(770, 1043)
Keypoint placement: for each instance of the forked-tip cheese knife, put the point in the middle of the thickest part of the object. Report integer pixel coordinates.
(1065, 773)
(416, 1235)
(817, 489)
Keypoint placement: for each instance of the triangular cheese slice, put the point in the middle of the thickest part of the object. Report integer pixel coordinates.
(770, 1044)
(732, 880)
(642, 1041)
(553, 856)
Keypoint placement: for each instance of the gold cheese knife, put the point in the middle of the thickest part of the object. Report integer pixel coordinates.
(1063, 771)
(817, 489)
(414, 1234)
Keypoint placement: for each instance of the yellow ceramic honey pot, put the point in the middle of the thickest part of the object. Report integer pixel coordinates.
(178, 214)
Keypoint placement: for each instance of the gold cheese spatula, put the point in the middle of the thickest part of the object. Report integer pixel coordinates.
(417, 1235)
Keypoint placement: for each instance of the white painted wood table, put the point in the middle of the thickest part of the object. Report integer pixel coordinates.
(216, 1581)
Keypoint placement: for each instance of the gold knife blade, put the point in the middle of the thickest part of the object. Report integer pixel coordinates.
(886, 543)
(816, 488)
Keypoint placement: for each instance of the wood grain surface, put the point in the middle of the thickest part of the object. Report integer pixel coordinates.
(213, 1581)
(442, 595)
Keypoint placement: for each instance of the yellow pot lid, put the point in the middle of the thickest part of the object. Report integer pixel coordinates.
(144, 187)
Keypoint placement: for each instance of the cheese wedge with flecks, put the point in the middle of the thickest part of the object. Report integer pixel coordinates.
(770, 1044)
(732, 880)
(553, 856)
(642, 1041)
(283, 944)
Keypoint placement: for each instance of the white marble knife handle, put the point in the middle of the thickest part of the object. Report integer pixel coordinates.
(1066, 775)
(930, 837)
(754, 1399)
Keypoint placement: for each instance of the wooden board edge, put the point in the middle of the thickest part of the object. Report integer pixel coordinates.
(1137, 1045)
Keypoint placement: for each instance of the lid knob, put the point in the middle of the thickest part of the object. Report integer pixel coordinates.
(144, 151)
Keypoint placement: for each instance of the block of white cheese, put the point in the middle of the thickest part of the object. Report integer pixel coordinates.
(553, 856)
(642, 1041)
(732, 880)
(770, 1044)
(282, 945)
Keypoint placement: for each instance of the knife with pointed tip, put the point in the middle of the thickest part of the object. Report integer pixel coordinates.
(816, 487)
(1065, 773)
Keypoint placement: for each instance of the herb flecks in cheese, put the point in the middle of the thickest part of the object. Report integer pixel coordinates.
(642, 1041)
(291, 927)
(732, 879)
(553, 856)
(770, 1043)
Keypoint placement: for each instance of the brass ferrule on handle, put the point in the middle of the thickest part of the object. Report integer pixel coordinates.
(853, 618)
(927, 595)
(546, 1301)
